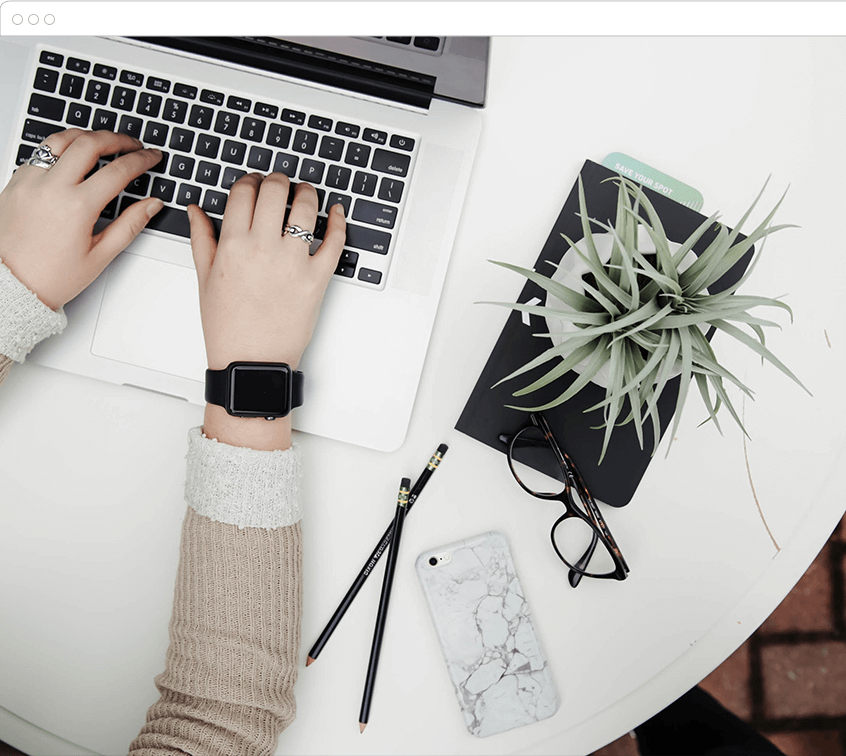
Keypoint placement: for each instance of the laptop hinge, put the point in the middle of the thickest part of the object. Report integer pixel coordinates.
(310, 64)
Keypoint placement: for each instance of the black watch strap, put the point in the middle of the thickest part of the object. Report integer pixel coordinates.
(217, 387)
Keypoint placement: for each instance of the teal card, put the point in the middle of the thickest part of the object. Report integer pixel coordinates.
(655, 180)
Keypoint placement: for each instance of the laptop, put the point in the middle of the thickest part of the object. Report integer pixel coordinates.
(387, 126)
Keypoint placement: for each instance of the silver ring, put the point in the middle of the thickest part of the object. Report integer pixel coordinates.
(306, 236)
(43, 157)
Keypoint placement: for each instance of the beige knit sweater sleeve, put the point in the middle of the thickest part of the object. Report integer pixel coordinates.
(232, 663)
(229, 672)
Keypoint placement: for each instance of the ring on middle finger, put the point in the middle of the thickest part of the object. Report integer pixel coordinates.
(299, 233)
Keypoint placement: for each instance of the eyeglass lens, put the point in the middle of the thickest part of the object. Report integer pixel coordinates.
(537, 469)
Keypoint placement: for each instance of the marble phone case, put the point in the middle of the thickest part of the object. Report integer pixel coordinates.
(495, 661)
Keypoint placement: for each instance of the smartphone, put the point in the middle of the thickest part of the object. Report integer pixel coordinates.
(495, 661)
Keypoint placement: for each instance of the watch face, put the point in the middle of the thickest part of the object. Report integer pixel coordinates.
(261, 390)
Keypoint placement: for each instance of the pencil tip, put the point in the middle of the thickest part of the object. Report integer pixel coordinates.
(309, 661)
(362, 725)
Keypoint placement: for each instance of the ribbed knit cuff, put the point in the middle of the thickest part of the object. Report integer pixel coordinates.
(240, 486)
(24, 318)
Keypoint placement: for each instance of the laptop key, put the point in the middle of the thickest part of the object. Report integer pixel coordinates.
(390, 162)
(305, 142)
(24, 154)
(207, 173)
(181, 139)
(46, 107)
(230, 176)
(292, 116)
(97, 92)
(286, 164)
(331, 148)
(227, 123)
(347, 129)
(139, 185)
(201, 117)
(182, 167)
(263, 109)
(390, 189)
(238, 103)
(233, 152)
(338, 177)
(369, 239)
(211, 97)
(312, 171)
(253, 129)
(400, 40)
(123, 98)
(131, 78)
(149, 105)
(104, 120)
(51, 58)
(110, 209)
(320, 123)
(188, 194)
(78, 65)
(38, 131)
(370, 276)
(105, 72)
(344, 200)
(357, 154)
(164, 189)
(345, 270)
(279, 136)
(364, 183)
(72, 86)
(427, 43)
(161, 166)
(259, 159)
(46, 80)
(214, 202)
(374, 213)
(348, 257)
(176, 111)
(130, 125)
(156, 133)
(208, 146)
(170, 220)
(185, 90)
(78, 115)
(157, 84)
(373, 135)
(402, 143)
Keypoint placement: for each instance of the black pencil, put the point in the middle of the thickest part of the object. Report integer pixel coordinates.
(365, 571)
(384, 599)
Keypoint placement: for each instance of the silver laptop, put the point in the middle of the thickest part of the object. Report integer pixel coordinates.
(387, 126)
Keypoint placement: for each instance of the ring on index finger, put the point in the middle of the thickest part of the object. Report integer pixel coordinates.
(299, 233)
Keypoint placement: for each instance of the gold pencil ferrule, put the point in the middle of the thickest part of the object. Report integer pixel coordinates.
(435, 461)
(402, 499)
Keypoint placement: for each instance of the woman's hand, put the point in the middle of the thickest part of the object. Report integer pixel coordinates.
(260, 292)
(47, 217)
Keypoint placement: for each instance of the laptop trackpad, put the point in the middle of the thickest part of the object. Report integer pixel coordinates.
(150, 317)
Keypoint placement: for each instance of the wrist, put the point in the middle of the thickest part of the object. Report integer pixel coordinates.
(251, 432)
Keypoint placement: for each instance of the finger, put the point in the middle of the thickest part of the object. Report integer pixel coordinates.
(203, 242)
(240, 206)
(271, 205)
(81, 155)
(105, 184)
(57, 143)
(118, 235)
(303, 213)
(329, 252)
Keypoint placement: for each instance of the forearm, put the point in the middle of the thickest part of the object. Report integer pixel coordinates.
(235, 634)
(235, 630)
(24, 321)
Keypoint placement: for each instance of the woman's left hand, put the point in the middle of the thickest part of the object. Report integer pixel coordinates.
(47, 216)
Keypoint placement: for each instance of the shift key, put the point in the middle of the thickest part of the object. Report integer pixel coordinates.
(361, 237)
(374, 213)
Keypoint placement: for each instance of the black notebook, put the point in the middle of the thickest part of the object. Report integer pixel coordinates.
(485, 416)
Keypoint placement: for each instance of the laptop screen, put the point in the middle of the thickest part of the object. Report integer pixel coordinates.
(301, 61)
(405, 70)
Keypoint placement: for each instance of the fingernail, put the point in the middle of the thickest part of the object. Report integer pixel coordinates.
(138, 142)
(154, 207)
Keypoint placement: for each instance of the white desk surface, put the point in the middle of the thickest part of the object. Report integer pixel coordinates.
(92, 474)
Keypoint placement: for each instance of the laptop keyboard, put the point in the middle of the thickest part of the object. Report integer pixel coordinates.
(210, 137)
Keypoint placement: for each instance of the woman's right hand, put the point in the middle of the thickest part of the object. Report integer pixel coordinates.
(260, 292)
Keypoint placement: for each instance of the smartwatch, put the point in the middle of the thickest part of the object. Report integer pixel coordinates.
(255, 389)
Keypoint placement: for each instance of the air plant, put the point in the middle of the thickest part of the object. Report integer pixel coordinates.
(644, 313)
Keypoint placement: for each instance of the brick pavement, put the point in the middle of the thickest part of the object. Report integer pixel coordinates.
(789, 679)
